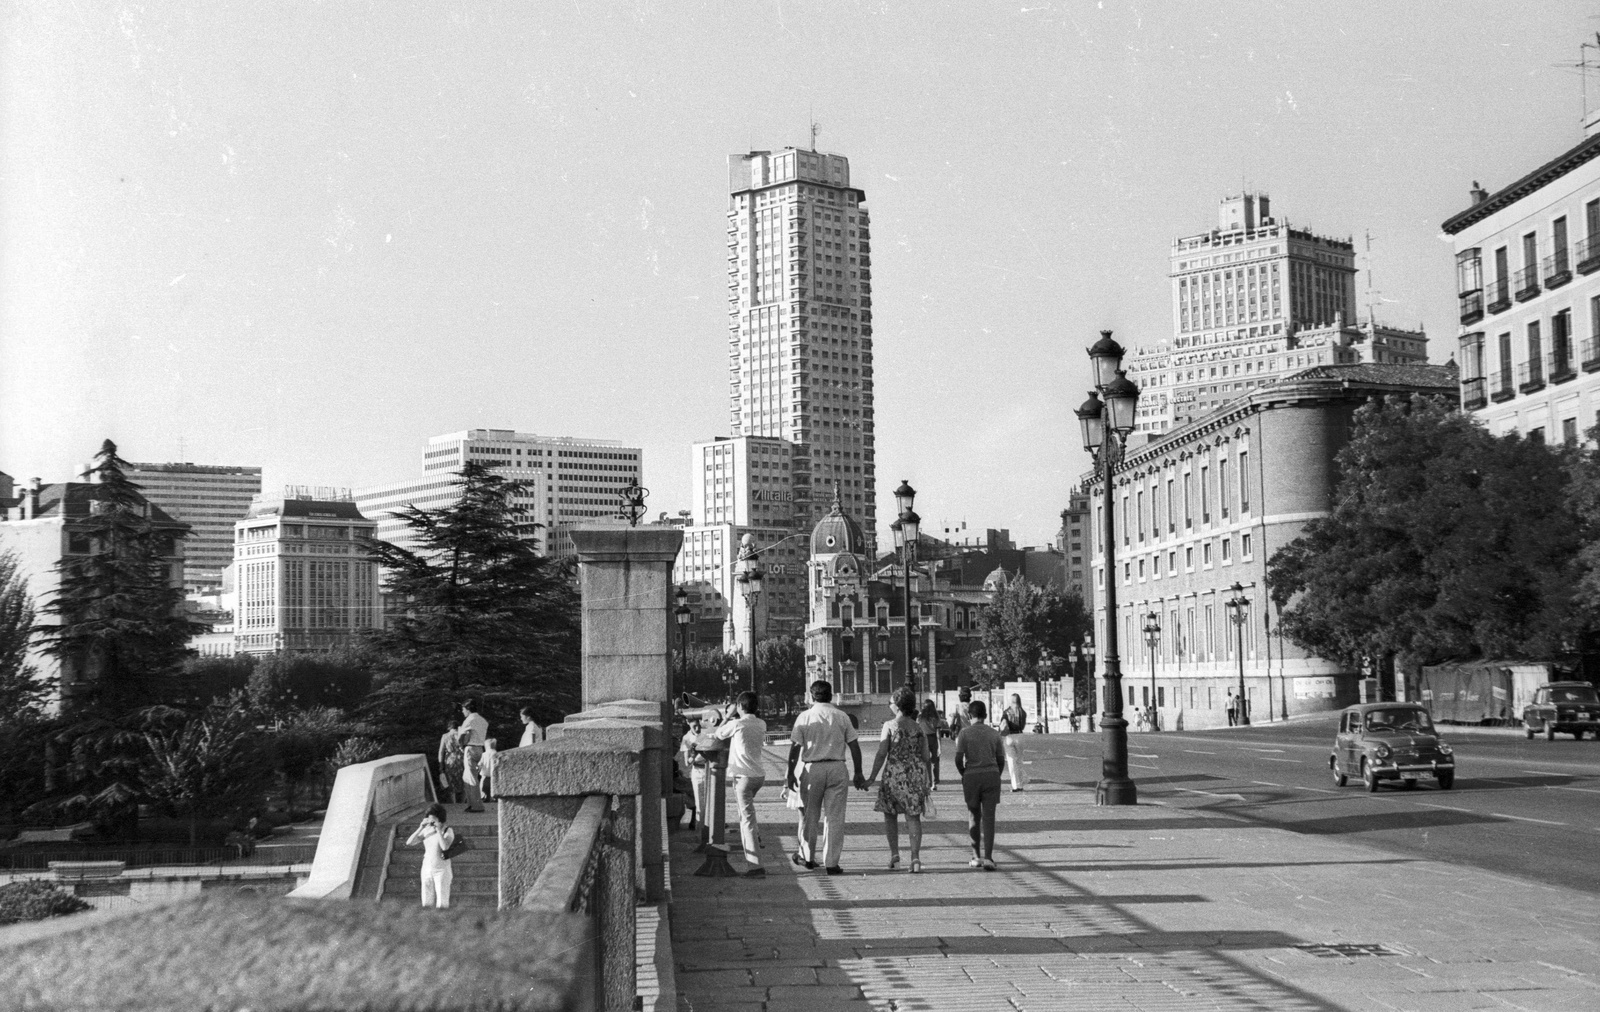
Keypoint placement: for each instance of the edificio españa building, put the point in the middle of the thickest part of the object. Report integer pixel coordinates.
(1255, 299)
(210, 498)
(305, 580)
(1528, 281)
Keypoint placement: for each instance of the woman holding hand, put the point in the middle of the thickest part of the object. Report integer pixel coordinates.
(903, 758)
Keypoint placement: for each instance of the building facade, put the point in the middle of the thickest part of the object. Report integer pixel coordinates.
(43, 527)
(800, 323)
(1528, 278)
(210, 498)
(1203, 507)
(559, 481)
(1253, 300)
(305, 581)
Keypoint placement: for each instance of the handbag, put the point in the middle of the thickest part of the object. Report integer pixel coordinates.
(456, 848)
(930, 810)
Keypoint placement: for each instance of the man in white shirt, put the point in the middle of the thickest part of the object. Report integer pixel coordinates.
(746, 734)
(820, 738)
(531, 732)
(472, 733)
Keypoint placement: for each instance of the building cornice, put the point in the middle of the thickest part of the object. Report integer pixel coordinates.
(1542, 176)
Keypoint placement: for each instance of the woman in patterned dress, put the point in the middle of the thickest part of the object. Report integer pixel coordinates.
(903, 758)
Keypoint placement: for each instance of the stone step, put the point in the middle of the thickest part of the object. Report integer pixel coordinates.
(458, 887)
(414, 855)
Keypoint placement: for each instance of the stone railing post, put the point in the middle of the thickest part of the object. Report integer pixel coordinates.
(625, 581)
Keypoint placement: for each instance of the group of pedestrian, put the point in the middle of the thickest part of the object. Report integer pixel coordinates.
(467, 759)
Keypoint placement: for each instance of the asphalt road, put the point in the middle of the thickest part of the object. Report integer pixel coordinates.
(1529, 809)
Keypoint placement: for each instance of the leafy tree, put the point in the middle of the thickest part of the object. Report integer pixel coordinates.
(482, 612)
(1443, 541)
(340, 679)
(22, 691)
(204, 679)
(121, 630)
(210, 765)
(302, 744)
(354, 750)
(781, 663)
(1025, 631)
(710, 670)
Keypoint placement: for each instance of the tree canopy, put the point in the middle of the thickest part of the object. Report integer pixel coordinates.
(1444, 541)
(1025, 629)
(22, 691)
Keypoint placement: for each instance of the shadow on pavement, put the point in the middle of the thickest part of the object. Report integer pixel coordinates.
(1372, 823)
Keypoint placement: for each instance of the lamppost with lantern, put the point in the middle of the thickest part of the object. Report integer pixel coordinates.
(1152, 639)
(749, 579)
(1238, 610)
(906, 527)
(1088, 659)
(684, 615)
(1107, 420)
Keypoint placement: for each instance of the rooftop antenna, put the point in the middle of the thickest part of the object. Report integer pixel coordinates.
(1582, 66)
(183, 450)
(1372, 320)
(816, 128)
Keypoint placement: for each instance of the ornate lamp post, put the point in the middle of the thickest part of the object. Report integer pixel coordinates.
(1152, 639)
(632, 508)
(1106, 426)
(905, 528)
(683, 615)
(749, 579)
(1239, 611)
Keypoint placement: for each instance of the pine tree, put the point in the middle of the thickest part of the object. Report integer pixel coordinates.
(481, 612)
(21, 689)
(122, 633)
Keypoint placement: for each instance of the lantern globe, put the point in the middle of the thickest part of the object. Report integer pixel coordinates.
(1106, 355)
(1122, 403)
(904, 495)
(1091, 419)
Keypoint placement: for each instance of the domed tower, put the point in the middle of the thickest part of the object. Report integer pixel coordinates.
(836, 595)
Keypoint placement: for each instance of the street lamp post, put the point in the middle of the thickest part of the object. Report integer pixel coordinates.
(905, 529)
(1088, 662)
(1152, 639)
(683, 615)
(1238, 607)
(749, 578)
(1106, 426)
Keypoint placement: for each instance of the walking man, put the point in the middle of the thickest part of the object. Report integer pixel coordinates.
(1233, 709)
(821, 736)
(472, 733)
(749, 734)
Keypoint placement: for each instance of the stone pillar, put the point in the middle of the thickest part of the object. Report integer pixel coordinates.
(643, 736)
(625, 581)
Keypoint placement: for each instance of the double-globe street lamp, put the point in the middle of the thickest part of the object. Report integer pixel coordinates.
(906, 527)
(1107, 419)
(749, 579)
(683, 615)
(1152, 639)
(1239, 611)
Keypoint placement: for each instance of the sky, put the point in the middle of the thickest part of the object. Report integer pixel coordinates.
(308, 236)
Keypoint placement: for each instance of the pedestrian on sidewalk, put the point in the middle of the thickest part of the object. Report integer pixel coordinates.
(979, 759)
(695, 763)
(531, 732)
(450, 764)
(928, 720)
(486, 765)
(820, 738)
(436, 838)
(472, 733)
(746, 735)
(903, 759)
(1233, 709)
(1013, 722)
(961, 716)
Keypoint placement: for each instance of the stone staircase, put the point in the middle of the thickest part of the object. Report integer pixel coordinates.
(475, 874)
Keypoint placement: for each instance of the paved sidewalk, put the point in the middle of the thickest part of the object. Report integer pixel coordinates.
(1121, 908)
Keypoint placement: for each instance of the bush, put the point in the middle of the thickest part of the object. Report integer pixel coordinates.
(355, 750)
(34, 901)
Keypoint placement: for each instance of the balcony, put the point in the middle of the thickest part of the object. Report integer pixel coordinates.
(1587, 253)
(1591, 355)
(1471, 307)
(1560, 364)
(1498, 295)
(1557, 269)
(1526, 284)
(1530, 376)
(1504, 391)
(1473, 394)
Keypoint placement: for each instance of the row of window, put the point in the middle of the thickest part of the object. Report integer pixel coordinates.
(1133, 569)
(1184, 499)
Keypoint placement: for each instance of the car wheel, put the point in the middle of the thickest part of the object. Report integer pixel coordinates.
(1339, 779)
(1529, 728)
(1549, 730)
(1369, 776)
(1446, 779)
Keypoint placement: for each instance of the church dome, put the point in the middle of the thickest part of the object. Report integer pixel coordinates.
(837, 533)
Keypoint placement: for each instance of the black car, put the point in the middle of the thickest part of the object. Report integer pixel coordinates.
(1569, 707)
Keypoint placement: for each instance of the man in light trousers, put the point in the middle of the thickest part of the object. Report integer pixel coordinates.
(819, 740)
(746, 735)
(474, 731)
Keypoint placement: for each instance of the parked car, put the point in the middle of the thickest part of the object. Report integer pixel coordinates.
(1390, 741)
(1568, 707)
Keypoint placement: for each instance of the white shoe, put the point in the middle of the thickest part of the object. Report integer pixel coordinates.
(975, 863)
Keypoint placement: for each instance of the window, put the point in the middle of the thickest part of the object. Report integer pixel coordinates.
(1537, 435)
(1140, 507)
(1244, 545)
(1205, 553)
(1244, 482)
(1222, 487)
(1188, 558)
(1172, 563)
(1569, 431)
(1205, 494)
(1188, 499)
(1172, 513)
(1227, 544)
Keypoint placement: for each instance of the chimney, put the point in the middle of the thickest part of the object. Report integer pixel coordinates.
(1478, 193)
(30, 502)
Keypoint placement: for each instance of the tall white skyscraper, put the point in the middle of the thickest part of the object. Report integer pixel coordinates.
(800, 323)
(210, 499)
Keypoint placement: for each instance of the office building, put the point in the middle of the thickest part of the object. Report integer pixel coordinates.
(210, 499)
(800, 323)
(304, 579)
(559, 481)
(1528, 280)
(1253, 300)
(1204, 506)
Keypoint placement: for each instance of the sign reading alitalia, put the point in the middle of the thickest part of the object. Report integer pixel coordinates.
(782, 495)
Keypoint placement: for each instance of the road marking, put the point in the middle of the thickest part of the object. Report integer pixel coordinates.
(1269, 759)
(1264, 783)
(1563, 787)
(1449, 808)
(1524, 818)
(1144, 766)
(1322, 790)
(1195, 751)
(1246, 748)
(1141, 755)
(1544, 773)
(1210, 794)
